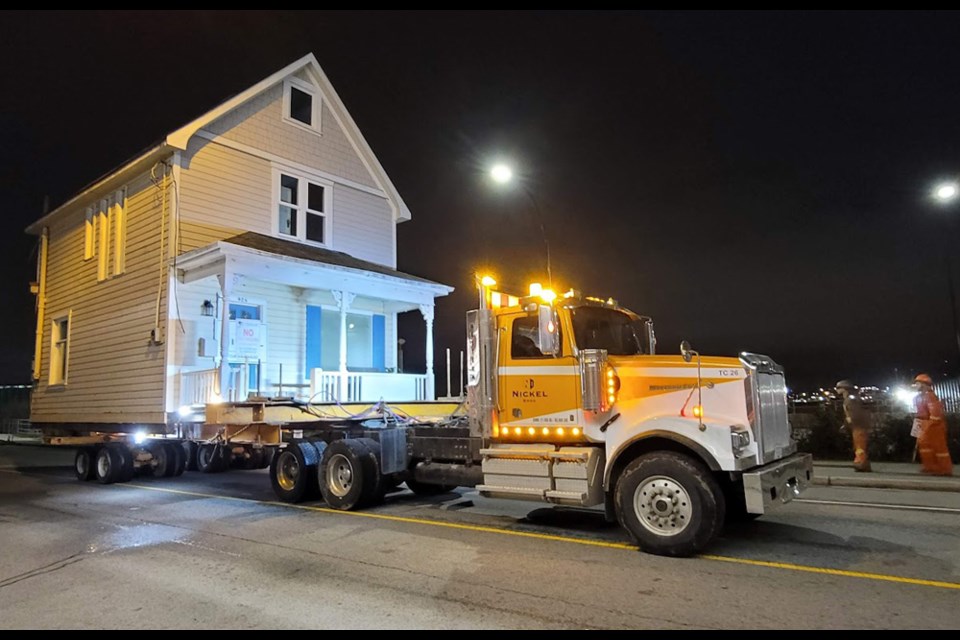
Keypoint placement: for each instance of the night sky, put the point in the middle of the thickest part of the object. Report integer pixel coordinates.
(752, 181)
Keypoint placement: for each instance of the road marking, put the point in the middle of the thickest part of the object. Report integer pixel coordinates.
(904, 507)
(784, 566)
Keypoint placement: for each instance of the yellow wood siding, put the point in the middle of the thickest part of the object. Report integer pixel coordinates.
(114, 374)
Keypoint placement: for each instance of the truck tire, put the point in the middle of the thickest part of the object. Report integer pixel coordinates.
(255, 461)
(180, 458)
(107, 465)
(127, 469)
(83, 464)
(268, 453)
(669, 503)
(164, 459)
(212, 458)
(293, 472)
(376, 486)
(190, 453)
(346, 475)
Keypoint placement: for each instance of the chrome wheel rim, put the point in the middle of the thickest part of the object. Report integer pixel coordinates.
(103, 465)
(288, 471)
(339, 475)
(663, 506)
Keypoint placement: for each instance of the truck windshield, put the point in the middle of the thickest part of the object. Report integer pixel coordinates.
(620, 333)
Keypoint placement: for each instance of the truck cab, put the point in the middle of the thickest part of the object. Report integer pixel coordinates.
(578, 408)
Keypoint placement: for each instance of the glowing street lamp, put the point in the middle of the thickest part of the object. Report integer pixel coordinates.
(501, 173)
(946, 192)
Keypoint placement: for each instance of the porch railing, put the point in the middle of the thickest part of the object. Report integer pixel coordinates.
(200, 387)
(333, 386)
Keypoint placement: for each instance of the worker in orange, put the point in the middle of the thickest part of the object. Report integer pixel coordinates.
(932, 437)
(857, 419)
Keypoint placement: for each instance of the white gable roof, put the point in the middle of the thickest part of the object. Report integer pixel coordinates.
(178, 140)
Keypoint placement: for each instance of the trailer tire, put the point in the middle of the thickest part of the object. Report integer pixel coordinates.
(107, 465)
(346, 474)
(268, 455)
(83, 464)
(670, 503)
(426, 489)
(293, 472)
(255, 461)
(164, 458)
(190, 454)
(212, 458)
(127, 469)
(179, 457)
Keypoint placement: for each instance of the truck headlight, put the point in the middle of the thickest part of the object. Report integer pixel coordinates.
(739, 439)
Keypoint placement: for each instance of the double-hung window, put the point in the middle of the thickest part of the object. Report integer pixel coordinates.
(303, 208)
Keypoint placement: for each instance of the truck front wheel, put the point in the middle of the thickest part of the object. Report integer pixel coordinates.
(670, 504)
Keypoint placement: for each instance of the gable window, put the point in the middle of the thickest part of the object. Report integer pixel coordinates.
(301, 104)
(303, 208)
(59, 350)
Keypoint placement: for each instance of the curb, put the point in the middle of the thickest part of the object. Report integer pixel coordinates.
(888, 483)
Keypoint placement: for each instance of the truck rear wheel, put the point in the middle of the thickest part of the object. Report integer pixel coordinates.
(346, 475)
(190, 453)
(108, 465)
(670, 504)
(83, 464)
(179, 457)
(165, 459)
(212, 458)
(293, 472)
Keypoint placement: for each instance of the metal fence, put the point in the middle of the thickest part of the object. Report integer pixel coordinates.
(949, 393)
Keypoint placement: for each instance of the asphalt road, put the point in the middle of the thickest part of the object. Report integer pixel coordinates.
(216, 552)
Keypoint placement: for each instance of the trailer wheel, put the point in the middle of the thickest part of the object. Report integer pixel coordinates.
(83, 464)
(424, 489)
(164, 458)
(375, 485)
(190, 453)
(180, 458)
(127, 469)
(255, 461)
(669, 503)
(293, 472)
(346, 474)
(107, 465)
(268, 453)
(212, 458)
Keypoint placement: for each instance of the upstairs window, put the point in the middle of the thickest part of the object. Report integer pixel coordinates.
(301, 104)
(303, 208)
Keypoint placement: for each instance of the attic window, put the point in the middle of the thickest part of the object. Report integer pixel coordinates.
(301, 104)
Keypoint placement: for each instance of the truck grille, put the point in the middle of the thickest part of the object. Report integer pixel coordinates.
(766, 393)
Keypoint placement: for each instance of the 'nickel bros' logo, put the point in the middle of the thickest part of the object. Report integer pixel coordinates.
(528, 392)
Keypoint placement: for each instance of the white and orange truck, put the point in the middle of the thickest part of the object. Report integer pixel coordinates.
(567, 402)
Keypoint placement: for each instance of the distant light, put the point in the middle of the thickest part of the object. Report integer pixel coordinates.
(139, 437)
(488, 281)
(905, 396)
(185, 410)
(350, 326)
(536, 288)
(946, 192)
(501, 173)
(548, 296)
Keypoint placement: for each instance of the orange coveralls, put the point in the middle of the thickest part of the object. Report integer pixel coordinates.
(932, 441)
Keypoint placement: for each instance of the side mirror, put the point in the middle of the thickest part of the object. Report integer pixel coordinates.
(686, 351)
(547, 330)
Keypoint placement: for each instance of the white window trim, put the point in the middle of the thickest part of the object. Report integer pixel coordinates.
(302, 196)
(314, 93)
(65, 374)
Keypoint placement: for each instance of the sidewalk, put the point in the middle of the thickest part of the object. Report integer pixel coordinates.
(885, 475)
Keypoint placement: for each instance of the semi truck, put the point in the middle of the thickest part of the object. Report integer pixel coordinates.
(567, 402)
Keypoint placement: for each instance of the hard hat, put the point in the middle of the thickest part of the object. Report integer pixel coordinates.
(845, 384)
(923, 379)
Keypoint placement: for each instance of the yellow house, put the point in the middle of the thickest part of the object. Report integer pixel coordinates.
(252, 252)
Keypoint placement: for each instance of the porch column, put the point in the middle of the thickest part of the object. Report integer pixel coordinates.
(426, 310)
(344, 300)
(223, 368)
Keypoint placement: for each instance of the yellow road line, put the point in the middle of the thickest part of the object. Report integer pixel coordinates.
(784, 566)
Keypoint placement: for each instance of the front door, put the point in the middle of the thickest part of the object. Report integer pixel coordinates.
(539, 394)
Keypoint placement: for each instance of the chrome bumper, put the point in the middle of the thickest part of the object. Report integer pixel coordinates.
(777, 482)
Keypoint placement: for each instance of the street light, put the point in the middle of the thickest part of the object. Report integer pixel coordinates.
(502, 174)
(945, 193)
